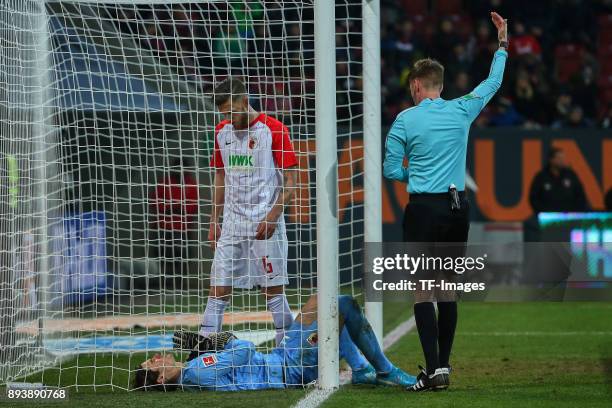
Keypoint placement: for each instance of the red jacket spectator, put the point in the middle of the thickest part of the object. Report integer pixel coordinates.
(523, 43)
(175, 202)
(526, 44)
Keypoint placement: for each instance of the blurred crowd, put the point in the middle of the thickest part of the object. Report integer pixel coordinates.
(266, 44)
(559, 73)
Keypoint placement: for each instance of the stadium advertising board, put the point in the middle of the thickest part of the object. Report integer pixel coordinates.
(501, 161)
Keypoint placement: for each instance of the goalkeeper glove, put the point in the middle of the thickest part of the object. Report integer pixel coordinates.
(190, 341)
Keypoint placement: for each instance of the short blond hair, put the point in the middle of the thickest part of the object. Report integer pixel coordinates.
(429, 71)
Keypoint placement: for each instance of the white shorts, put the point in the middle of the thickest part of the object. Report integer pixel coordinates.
(247, 262)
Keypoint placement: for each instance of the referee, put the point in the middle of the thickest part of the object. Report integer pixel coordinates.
(433, 136)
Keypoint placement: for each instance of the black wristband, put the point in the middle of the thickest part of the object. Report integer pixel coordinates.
(503, 44)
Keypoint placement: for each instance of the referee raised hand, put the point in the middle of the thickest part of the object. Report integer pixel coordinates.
(433, 136)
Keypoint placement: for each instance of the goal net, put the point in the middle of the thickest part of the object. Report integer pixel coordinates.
(108, 127)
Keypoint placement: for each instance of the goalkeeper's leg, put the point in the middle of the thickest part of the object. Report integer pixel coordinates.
(353, 322)
(363, 336)
(350, 352)
(362, 370)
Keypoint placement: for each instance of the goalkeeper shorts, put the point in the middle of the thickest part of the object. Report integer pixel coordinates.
(247, 262)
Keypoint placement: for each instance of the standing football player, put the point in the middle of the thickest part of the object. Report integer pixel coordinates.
(255, 178)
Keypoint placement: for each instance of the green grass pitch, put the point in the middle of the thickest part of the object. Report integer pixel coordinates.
(505, 355)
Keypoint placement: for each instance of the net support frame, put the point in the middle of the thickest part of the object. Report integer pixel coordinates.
(372, 142)
(326, 193)
(41, 133)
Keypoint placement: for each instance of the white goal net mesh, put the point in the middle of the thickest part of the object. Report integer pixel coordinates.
(108, 129)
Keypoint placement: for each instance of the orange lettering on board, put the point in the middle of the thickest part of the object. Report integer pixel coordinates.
(576, 161)
(402, 194)
(388, 215)
(300, 208)
(484, 166)
(606, 165)
(350, 164)
(395, 189)
(399, 191)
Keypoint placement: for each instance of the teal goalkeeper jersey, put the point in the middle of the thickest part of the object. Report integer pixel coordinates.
(433, 136)
(238, 367)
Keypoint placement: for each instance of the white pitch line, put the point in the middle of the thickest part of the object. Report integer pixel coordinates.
(314, 398)
(537, 333)
(397, 333)
(318, 396)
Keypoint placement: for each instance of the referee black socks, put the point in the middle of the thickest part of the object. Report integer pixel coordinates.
(426, 322)
(447, 323)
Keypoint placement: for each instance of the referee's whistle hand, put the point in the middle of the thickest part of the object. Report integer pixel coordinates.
(502, 26)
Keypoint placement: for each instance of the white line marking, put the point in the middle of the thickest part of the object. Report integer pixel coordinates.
(537, 333)
(400, 331)
(314, 398)
(318, 396)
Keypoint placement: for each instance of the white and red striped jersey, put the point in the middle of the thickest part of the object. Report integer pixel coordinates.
(253, 160)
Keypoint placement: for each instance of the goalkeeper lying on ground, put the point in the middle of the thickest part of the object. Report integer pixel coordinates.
(221, 362)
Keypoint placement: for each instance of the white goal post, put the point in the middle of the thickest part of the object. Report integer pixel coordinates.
(103, 100)
(372, 140)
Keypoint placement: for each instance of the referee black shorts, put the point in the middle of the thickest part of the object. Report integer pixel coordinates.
(428, 218)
